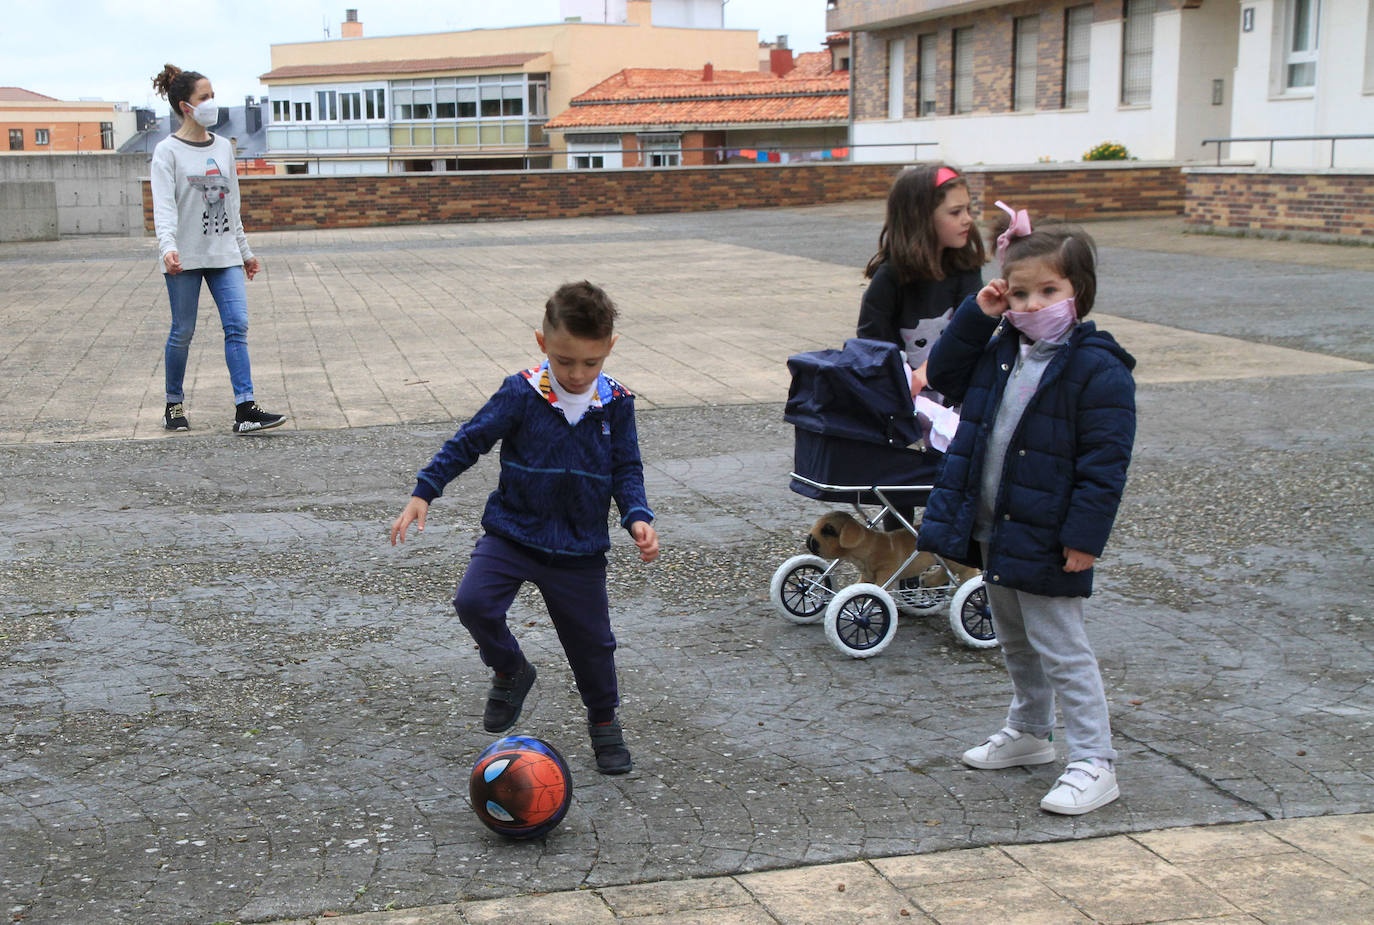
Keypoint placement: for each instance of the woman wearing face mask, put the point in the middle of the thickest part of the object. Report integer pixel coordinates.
(200, 238)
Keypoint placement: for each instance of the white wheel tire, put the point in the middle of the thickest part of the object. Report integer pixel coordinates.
(836, 610)
(779, 585)
(956, 615)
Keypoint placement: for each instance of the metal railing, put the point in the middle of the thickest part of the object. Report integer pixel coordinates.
(1273, 138)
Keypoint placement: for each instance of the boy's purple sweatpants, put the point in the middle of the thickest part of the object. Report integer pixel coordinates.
(574, 590)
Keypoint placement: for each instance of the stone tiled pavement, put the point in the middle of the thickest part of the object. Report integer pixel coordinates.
(225, 698)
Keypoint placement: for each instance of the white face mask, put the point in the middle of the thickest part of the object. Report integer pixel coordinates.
(206, 113)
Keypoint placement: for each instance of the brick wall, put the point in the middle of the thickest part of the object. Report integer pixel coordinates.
(1078, 193)
(1326, 205)
(282, 202)
(296, 202)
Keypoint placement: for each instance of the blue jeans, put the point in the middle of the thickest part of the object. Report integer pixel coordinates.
(226, 287)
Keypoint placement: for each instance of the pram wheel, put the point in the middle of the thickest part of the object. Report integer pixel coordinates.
(970, 616)
(861, 620)
(801, 588)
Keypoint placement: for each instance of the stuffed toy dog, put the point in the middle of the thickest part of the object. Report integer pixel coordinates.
(878, 553)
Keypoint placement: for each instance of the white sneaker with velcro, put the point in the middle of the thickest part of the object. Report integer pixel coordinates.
(1010, 749)
(1082, 788)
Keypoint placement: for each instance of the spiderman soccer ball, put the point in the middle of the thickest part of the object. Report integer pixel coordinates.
(520, 787)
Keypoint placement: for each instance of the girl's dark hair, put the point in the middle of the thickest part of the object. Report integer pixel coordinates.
(582, 309)
(1070, 251)
(176, 85)
(908, 242)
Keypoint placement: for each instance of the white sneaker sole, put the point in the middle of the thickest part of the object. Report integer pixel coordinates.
(252, 427)
(1069, 809)
(1043, 756)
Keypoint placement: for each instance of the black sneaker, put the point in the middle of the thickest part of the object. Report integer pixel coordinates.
(506, 697)
(608, 742)
(174, 418)
(248, 417)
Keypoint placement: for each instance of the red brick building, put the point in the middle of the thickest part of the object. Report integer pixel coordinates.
(667, 117)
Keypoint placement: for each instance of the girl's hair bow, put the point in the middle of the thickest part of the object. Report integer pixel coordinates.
(1020, 227)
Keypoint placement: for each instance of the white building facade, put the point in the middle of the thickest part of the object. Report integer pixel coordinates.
(1308, 69)
(1047, 80)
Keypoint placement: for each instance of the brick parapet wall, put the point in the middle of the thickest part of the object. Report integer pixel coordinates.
(301, 202)
(1078, 193)
(1319, 205)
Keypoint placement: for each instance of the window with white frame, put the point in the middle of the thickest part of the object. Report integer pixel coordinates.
(1301, 21)
(1078, 21)
(926, 49)
(1137, 50)
(327, 105)
(40, 136)
(896, 69)
(1025, 61)
(661, 150)
(963, 71)
(589, 161)
(107, 136)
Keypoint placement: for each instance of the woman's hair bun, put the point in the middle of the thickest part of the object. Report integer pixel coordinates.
(162, 83)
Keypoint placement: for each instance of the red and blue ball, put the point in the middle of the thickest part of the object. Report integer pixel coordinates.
(520, 787)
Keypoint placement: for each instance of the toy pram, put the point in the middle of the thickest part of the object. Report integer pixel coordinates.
(858, 440)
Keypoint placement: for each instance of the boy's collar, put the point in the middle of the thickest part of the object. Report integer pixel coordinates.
(540, 379)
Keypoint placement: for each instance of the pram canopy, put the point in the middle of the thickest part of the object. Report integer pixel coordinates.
(855, 424)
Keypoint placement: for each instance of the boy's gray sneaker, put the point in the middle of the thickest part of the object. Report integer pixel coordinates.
(248, 418)
(1010, 749)
(507, 697)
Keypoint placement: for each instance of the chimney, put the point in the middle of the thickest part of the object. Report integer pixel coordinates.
(708, 73)
(252, 115)
(351, 28)
(780, 61)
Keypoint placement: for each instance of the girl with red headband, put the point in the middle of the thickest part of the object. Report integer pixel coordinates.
(930, 257)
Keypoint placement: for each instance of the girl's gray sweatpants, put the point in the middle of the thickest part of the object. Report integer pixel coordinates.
(1048, 655)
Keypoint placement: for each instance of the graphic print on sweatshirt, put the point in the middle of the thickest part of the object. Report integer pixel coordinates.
(214, 189)
(919, 340)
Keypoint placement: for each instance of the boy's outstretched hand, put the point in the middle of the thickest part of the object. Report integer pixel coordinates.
(645, 537)
(992, 298)
(415, 512)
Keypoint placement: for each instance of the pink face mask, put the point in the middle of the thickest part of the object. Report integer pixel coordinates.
(1051, 323)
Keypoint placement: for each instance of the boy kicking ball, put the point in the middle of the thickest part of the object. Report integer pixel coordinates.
(568, 446)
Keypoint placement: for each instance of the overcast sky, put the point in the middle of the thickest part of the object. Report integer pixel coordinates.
(110, 49)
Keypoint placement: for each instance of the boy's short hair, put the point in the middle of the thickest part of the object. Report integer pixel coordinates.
(582, 309)
(1071, 251)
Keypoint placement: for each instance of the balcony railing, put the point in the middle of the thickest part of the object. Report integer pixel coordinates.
(1272, 139)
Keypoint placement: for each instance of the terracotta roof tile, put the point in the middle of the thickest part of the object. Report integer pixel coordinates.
(761, 109)
(403, 66)
(811, 64)
(679, 96)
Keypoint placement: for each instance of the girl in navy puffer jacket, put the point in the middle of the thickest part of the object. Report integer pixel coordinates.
(1032, 480)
